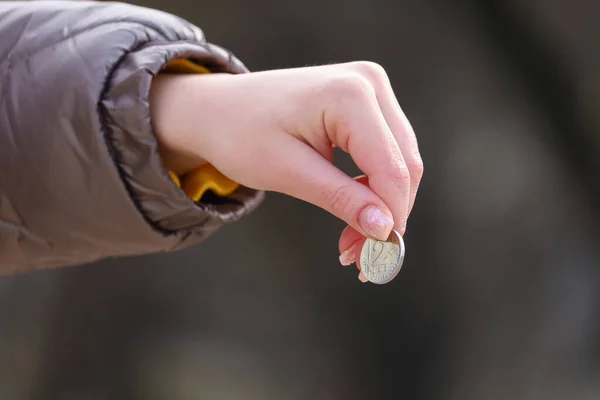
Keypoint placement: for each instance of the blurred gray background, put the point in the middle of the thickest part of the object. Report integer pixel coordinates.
(499, 294)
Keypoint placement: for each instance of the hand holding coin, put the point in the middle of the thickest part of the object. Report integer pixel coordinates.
(275, 131)
(378, 261)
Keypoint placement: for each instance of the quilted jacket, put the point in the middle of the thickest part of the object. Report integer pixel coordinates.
(80, 175)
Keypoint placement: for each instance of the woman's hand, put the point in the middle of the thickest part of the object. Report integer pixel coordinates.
(275, 131)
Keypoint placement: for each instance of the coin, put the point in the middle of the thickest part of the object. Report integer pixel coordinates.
(381, 261)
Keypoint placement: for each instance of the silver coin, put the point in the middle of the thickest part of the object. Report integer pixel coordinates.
(380, 261)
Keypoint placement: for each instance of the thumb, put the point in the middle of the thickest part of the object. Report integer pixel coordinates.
(308, 176)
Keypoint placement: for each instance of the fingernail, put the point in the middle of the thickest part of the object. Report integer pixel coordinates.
(376, 223)
(348, 256)
(362, 278)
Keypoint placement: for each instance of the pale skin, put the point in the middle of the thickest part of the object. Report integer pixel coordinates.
(275, 131)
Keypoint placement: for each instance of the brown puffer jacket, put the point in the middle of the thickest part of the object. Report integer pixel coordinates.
(80, 175)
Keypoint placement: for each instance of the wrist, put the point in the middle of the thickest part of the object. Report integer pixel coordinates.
(169, 98)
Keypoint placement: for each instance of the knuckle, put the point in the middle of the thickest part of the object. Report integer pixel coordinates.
(400, 176)
(339, 200)
(351, 87)
(416, 168)
(370, 70)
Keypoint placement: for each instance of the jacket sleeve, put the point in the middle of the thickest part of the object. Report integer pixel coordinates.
(80, 175)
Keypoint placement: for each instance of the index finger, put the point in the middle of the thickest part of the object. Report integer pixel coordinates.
(358, 127)
(396, 120)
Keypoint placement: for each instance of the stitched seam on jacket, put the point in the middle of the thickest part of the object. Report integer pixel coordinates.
(4, 73)
(18, 57)
(5, 224)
